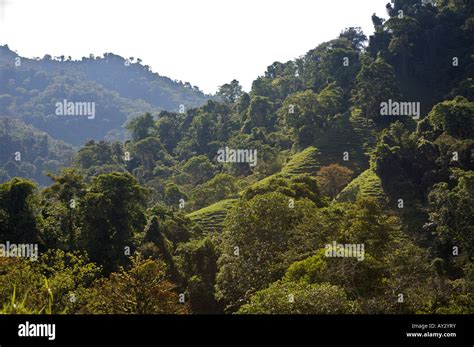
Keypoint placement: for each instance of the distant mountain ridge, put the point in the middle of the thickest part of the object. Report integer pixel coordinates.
(121, 88)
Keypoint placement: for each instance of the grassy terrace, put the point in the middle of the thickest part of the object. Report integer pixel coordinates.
(366, 184)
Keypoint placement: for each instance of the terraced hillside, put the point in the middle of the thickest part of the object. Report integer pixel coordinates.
(348, 148)
(364, 128)
(308, 161)
(210, 218)
(366, 184)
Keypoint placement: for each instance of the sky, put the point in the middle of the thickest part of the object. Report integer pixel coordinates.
(204, 42)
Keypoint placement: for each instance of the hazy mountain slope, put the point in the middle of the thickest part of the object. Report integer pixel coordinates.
(28, 152)
(30, 89)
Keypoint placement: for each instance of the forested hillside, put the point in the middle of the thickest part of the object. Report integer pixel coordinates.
(30, 153)
(121, 88)
(239, 204)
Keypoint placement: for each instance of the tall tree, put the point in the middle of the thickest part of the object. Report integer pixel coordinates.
(333, 178)
(230, 92)
(111, 215)
(18, 203)
(142, 127)
(376, 83)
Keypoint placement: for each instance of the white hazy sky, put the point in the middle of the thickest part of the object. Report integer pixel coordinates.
(205, 42)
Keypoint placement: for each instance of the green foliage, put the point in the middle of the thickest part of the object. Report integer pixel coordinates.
(60, 223)
(367, 184)
(154, 233)
(451, 216)
(18, 220)
(359, 278)
(56, 283)
(391, 264)
(141, 289)
(305, 161)
(230, 92)
(19, 307)
(297, 187)
(141, 127)
(94, 154)
(299, 298)
(176, 226)
(198, 264)
(376, 83)
(150, 152)
(255, 243)
(211, 218)
(120, 92)
(307, 114)
(199, 169)
(355, 36)
(68, 275)
(257, 239)
(260, 114)
(173, 195)
(169, 129)
(220, 187)
(455, 117)
(30, 153)
(105, 235)
(17, 277)
(406, 158)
